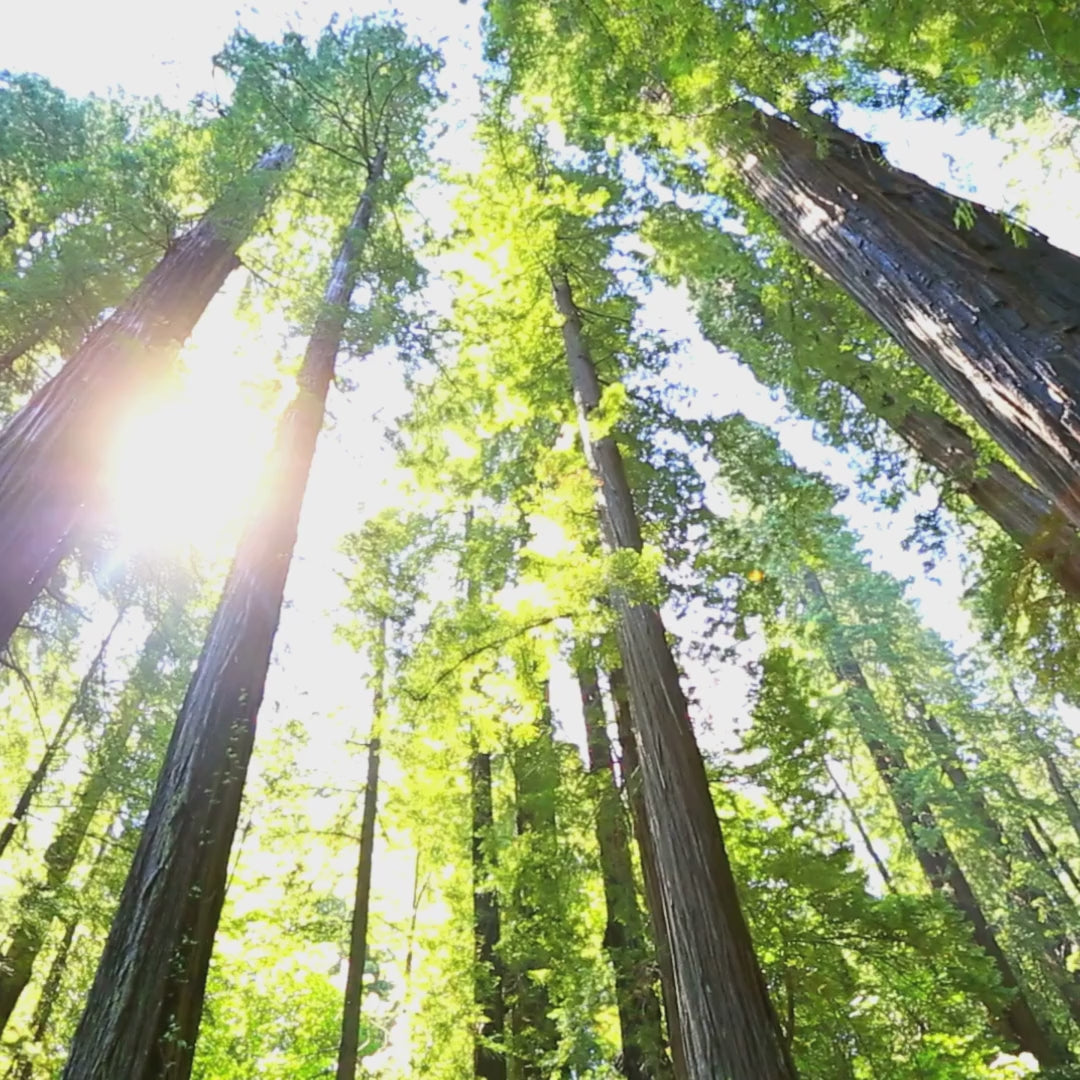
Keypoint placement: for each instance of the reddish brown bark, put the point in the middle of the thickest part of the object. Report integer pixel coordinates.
(992, 320)
(53, 452)
(727, 1025)
(142, 1015)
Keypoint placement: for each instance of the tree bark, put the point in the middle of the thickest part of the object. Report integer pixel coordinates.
(535, 1035)
(727, 1024)
(992, 320)
(54, 450)
(1017, 1019)
(643, 1056)
(64, 731)
(354, 980)
(37, 907)
(142, 1015)
(1062, 790)
(489, 1060)
(631, 779)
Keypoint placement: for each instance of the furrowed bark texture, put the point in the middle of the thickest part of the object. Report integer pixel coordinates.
(64, 731)
(142, 1015)
(1016, 1020)
(39, 904)
(54, 450)
(992, 321)
(631, 778)
(727, 1024)
(642, 1037)
(354, 981)
(489, 1063)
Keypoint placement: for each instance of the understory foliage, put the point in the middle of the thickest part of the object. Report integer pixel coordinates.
(453, 583)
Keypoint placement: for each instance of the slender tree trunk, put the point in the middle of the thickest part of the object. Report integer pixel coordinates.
(1063, 864)
(64, 731)
(631, 777)
(31, 929)
(860, 828)
(354, 980)
(489, 1060)
(992, 320)
(727, 1023)
(643, 1055)
(22, 1068)
(943, 873)
(54, 450)
(535, 1035)
(1027, 898)
(142, 1015)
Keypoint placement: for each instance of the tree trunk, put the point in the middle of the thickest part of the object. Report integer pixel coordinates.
(1022, 511)
(64, 731)
(643, 1056)
(489, 1060)
(1027, 898)
(142, 1015)
(1062, 790)
(727, 1024)
(860, 828)
(37, 907)
(631, 778)
(535, 1035)
(22, 1068)
(354, 981)
(53, 451)
(992, 320)
(1017, 1018)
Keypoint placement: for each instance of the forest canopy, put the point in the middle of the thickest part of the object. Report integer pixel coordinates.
(539, 540)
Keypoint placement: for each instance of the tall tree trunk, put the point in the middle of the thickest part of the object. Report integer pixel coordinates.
(35, 909)
(992, 320)
(535, 1035)
(1056, 911)
(727, 1023)
(1062, 790)
(22, 1067)
(354, 980)
(1017, 1018)
(631, 778)
(1022, 511)
(643, 1056)
(54, 450)
(860, 828)
(489, 1061)
(64, 731)
(142, 1015)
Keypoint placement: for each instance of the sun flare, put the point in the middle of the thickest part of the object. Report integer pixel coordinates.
(181, 470)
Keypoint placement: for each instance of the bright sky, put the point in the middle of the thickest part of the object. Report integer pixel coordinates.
(165, 49)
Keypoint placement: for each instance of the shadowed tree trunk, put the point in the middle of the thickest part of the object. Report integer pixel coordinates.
(1017, 1019)
(643, 1056)
(142, 1015)
(54, 450)
(631, 779)
(727, 1024)
(992, 320)
(1062, 790)
(64, 730)
(489, 1063)
(534, 1033)
(354, 981)
(37, 906)
(1053, 912)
